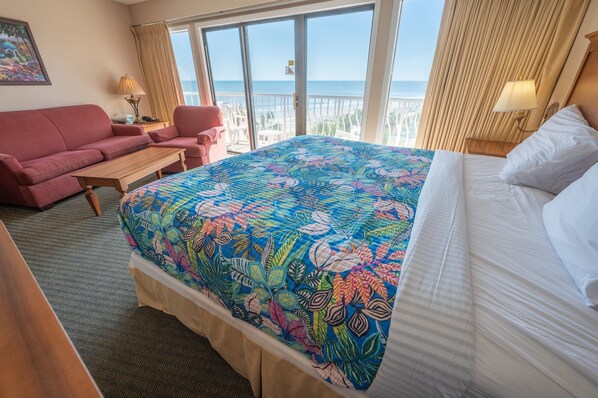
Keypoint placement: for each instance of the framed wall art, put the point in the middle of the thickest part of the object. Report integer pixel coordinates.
(20, 61)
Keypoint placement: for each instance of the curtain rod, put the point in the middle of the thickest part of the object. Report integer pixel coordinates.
(270, 6)
(148, 24)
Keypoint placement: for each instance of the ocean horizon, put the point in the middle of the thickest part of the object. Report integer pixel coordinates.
(350, 88)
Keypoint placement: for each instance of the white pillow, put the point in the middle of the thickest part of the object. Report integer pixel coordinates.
(571, 221)
(557, 154)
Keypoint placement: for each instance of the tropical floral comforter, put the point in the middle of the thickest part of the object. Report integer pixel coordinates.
(303, 239)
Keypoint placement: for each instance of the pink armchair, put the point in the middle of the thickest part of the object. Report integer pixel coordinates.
(198, 129)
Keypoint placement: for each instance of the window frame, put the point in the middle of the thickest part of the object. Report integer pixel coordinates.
(381, 57)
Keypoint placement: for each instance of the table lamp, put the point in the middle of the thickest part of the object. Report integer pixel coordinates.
(129, 86)
(517, 96)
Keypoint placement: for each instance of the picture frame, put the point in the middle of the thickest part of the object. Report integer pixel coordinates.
(20, 60)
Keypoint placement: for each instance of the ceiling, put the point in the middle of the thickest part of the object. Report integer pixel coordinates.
(127, 2)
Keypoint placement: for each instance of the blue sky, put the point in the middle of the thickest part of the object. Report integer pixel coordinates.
(418, 31)
(337, 46)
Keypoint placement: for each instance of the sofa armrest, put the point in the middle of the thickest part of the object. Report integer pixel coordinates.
(210, 135)
(10, 163)
(10, 188)
(165, 134)
(126, 129)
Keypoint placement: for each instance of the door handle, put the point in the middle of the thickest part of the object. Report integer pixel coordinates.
(295, 101)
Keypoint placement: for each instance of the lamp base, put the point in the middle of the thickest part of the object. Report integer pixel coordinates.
(134, 102)
(518, 116)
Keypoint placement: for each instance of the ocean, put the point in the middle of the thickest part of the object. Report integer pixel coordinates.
(351, 88)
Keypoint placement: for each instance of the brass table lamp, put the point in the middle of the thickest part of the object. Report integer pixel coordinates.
(129, 86)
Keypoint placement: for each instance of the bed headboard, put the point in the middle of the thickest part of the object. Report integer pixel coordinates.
(584, 91)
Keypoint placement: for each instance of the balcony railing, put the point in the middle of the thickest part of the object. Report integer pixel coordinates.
(330, 115)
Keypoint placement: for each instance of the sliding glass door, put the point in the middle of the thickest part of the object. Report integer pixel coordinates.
(337, 50)
(278, 78)
(416, 42)
(227, 76)
(271, 54)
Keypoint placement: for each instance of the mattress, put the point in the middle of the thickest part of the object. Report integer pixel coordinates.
(304, 239)
(535, 337)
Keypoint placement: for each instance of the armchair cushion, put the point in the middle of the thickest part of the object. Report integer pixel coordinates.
(164, 134)
(192, 148)
(45, 168)
(209, 136)
(114, 147)
(126, 129)
(190, 120)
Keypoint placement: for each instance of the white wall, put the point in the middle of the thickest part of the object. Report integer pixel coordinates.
(86, 45)
(589, 24)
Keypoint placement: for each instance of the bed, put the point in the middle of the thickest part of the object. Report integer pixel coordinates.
(324, 267)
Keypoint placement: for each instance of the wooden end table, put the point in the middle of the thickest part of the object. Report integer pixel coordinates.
(490, 148)
(152, 126)
(122, 171)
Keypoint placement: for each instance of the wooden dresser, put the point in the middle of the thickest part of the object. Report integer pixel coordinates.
(37, 358)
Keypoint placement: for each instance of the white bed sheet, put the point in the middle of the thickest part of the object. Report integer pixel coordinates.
(431, 340)
(535, 336)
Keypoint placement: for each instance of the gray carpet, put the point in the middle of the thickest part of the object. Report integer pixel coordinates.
(80, 262)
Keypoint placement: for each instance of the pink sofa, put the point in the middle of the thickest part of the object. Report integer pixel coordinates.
(198, 129)
(39, 149)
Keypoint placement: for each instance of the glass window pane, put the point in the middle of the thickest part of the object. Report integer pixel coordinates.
(416, 43)
(226, 70)
(271, 47)
(337, 56)
(181, 44)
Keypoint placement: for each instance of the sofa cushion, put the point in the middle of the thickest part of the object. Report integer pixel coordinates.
(192, 148)
(114, 147)
(28, 135)
(48, 167)
(81, 124)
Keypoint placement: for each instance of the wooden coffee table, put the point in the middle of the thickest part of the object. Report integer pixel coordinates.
(122, 171)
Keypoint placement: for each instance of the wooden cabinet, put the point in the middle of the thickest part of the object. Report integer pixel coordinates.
(37, 358)
(490, 148)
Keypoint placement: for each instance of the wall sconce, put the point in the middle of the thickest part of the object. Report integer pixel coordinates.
(519, 97)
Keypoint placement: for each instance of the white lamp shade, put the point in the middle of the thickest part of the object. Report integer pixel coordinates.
(517, 96)
(129, 86)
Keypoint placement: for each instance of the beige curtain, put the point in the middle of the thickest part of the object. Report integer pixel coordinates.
(482, 45)
(158, 66)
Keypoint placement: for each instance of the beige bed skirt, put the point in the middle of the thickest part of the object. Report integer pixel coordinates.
(270, 374)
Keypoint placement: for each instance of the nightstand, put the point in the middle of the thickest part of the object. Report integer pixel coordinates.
(151, 126)
(490, 148)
